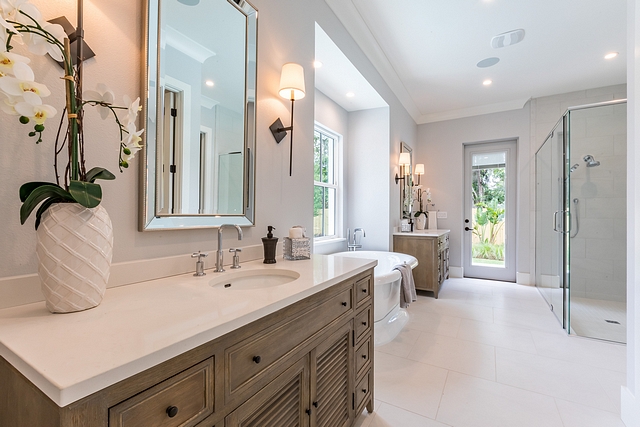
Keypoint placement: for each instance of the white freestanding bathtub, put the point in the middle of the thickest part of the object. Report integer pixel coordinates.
(389, 318)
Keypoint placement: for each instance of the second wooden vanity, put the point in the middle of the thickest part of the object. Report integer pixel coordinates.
(431, 248)
(309, 363)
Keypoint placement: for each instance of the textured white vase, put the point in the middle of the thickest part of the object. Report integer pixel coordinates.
(75, 246)
(421, 222)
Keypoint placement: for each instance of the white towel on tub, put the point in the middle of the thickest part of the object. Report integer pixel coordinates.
(407, 285)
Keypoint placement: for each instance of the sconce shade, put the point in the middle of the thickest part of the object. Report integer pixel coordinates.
(419, 170)
(405, 159)
(292, 81)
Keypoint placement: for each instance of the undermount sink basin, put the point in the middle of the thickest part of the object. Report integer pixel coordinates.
(253, 279)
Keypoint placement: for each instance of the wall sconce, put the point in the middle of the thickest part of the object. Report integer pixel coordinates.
(291, 87)
(405, 162)
(419, 171)
(80, 50)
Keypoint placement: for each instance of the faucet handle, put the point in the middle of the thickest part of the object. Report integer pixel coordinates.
(233, 251)
(199, 255)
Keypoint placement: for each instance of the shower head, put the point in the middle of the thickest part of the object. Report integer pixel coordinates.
(591, 162)
(574, 167)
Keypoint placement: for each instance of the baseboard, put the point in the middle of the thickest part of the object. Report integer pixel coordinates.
(523, 279)
(630, 412)
(456, 272)
(20, 290)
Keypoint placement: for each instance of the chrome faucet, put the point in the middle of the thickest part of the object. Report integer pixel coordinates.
(352, 246)
(220, 255)
(199, 263)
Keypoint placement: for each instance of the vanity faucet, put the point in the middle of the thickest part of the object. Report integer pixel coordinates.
(220, 255)
(199, 263)
(352, 246)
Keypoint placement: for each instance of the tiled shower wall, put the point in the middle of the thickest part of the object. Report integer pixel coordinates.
(598, 250)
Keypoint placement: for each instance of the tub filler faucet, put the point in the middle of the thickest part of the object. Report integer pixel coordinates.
(220, 254)
(353, 245)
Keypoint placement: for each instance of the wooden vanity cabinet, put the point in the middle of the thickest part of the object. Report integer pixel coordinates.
(432, 253)
(295, 367)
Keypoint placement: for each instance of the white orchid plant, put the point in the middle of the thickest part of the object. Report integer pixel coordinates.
(20, 95)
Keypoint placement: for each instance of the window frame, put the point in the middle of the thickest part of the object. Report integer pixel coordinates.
(338, 156)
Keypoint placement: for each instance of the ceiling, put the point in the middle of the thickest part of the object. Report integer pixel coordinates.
(427, 50)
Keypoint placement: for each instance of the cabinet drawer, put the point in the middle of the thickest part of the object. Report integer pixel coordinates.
(363, 289)
(182, 400)
(249, 358)
(363, 354)
(362, 391)
(363, 322)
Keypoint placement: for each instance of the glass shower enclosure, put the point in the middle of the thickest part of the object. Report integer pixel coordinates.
(581, 220)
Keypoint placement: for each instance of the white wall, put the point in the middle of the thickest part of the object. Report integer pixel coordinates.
(368, 185)
(441, 149)
(631, 393)
(281, 201)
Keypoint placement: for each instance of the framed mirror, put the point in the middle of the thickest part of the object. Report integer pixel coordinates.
(199, 106)
(406, 190)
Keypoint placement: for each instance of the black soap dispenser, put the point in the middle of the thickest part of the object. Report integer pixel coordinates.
(270, 244)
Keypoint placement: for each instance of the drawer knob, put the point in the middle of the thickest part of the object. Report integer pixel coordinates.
(364, 390)
(172, 411)
(257, 359)
(315, 404)
(308, 411)
(344, 303)
(364, 356)
(364, 290)
(364, 323)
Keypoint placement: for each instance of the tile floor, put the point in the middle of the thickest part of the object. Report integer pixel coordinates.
(492, 354)
(588, 319)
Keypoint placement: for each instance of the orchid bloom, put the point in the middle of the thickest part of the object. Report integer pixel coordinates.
(41, 46)
(8, 60)
(133, 138)
(33, 108)
(133, 108)
(7, 104)
(11, 11)
(102, 94)
(23, 82)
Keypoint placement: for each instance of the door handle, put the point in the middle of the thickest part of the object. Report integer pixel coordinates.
(555, 221)
(467, 229)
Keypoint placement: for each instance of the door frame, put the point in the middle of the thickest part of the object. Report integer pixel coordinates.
(508, 273)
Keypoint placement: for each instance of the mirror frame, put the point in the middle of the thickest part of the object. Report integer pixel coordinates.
(405, 148)
(149, 219)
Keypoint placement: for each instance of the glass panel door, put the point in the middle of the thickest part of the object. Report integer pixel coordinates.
(549, 221)
(490, 187)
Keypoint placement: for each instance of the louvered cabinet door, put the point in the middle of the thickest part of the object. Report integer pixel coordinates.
(284, 402)
(330, 381)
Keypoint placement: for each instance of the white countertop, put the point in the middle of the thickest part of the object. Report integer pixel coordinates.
(70, 356)
(422, 233)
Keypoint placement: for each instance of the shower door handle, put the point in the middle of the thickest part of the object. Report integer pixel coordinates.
(555, 221)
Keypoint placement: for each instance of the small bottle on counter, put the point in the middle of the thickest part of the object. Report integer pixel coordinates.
(270, 243)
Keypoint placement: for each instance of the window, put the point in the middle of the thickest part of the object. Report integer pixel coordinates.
(326, 187)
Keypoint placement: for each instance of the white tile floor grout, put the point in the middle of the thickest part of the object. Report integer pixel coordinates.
(492, 354)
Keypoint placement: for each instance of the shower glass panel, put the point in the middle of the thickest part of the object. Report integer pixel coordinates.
(581, 220)
(598, 206)
(549, 236)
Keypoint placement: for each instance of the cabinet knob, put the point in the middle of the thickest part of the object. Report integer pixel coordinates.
(344, 303)
(172, 411)
(257, 359)
(308, 411)
(364, 290)
(315, 404)
(364, 390)
(364, 323)
(364, 356)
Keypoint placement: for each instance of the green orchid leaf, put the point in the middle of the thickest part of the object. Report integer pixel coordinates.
(99, 173)
(43, 207)
(27, 188)
(40, 194)
(87, 194)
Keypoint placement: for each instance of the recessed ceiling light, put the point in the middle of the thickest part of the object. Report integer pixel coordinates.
(317, 64)
(487, 82)
(189, 2)
(350, 94)
(209, 83)
(611, 55)
(488, 62)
